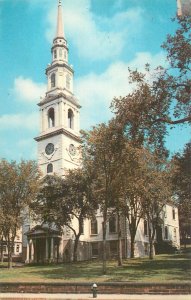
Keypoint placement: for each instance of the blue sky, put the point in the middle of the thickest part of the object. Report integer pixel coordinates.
(104, 37)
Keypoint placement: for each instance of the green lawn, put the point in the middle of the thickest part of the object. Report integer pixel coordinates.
(164, 268)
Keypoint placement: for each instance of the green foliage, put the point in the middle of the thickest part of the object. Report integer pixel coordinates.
(60, 200)
(182, 188)
(18, 186)
(160, 97)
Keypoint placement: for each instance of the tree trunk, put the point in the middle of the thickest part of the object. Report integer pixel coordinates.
(120, 261)
(152, 230)
(151, 254)
(132, 246)
(75, 257)
(104, 247)
(2, 256)
(9, 256)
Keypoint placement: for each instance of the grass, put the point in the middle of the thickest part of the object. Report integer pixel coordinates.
(164, 268)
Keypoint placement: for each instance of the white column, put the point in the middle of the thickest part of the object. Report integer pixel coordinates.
(27, 254)
(61, 248)
(46, 254)
(41, 121)
(52, 249)
(65, 115)
(61, 113)
(32, 251)
(57, 123)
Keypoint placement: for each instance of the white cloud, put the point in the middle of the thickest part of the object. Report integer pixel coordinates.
(26, 89)
(95, 37)
(19, 121)
(96, 91)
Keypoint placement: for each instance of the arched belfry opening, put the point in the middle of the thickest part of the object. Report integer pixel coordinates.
(51, 118)
(70, 119)
(53, 80)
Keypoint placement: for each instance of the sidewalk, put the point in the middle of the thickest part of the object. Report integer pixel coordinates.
(14, 296)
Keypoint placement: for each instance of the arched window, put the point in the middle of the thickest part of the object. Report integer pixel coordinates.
(50, 168)
(60, 52)
(53, 80)
(70, 119)
(51, 119)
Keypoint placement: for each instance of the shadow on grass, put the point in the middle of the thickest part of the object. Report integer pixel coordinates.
(162, 268)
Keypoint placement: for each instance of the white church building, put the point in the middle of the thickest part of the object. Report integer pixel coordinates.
(58, 143)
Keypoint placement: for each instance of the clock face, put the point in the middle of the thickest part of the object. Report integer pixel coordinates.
(49, 149)
(72, 149)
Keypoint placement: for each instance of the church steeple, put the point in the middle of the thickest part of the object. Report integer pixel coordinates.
(59, 47)
(59, 72)
(60, 27)
(59, 140)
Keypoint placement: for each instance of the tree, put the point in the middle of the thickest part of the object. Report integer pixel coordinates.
(19, 186)
(157, 193)
(83, 204)
(182, 187)
(102, 148)
(132, 190)
(62, 200)
(160, 97)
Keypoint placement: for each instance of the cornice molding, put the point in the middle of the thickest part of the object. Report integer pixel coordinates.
(57, 64)
(57, 132)
(59, 45)
(48, 98)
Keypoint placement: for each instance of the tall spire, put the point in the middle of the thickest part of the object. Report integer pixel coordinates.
(60, 27)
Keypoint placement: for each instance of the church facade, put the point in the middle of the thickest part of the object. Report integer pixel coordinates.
(58, 150)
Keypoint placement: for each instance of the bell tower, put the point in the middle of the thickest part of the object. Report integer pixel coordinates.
(59, 140)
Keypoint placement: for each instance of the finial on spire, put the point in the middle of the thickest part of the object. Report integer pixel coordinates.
(60, 31)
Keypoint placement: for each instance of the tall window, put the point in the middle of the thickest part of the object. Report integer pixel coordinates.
(60, 52)
(70, 119)
(112, 225)
(95, 251)
(55, 54)
(166, 233)
(49, 168)
(173, 214)
(51, 118)
(82, 227)
(94, 226)
(145, 227)
(175, 234)
(68, 79)
(53, 80)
